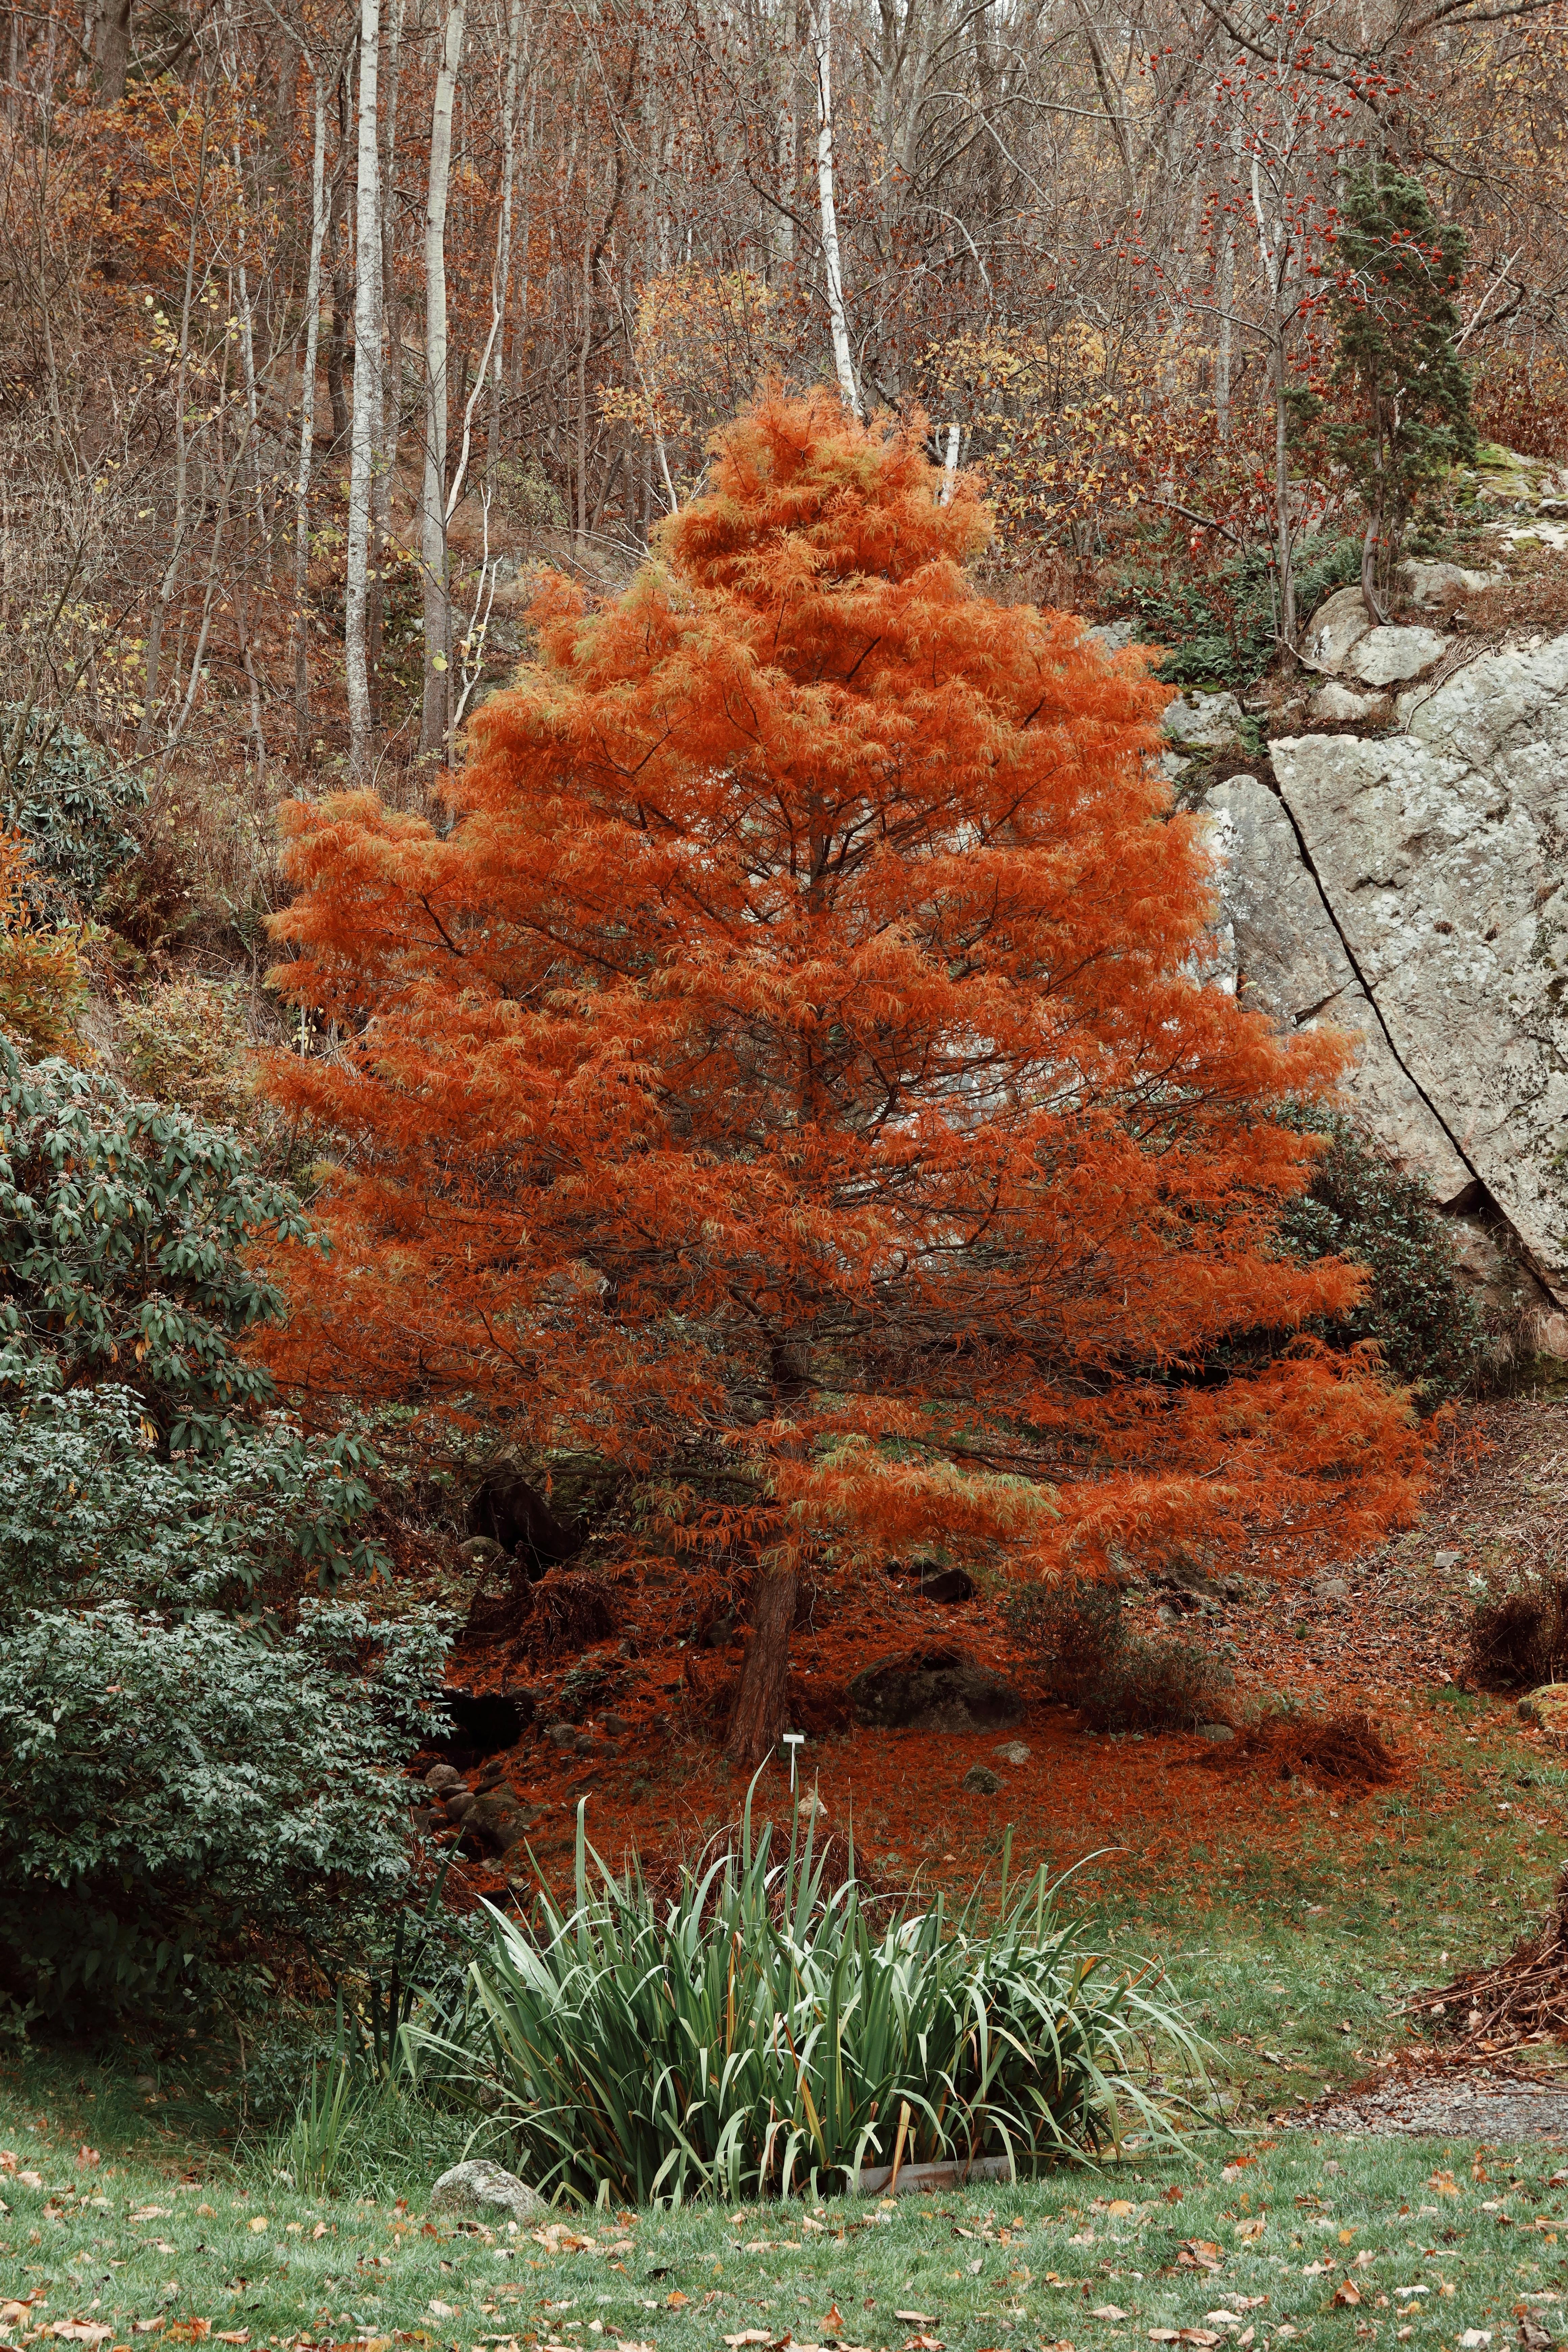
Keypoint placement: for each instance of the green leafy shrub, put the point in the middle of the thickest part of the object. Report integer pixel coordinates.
(1223, 627)
(126, 1231)
(69, 805)
(183, 1806)
(90, 1514)
(758, 2033)
(1417, 1309)
(1089, 1658)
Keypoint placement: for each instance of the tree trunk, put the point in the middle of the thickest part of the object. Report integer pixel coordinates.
(307, 429)
(821, 48)
(362, 432)
(757, 1717)
(433, 503)
(114, 45)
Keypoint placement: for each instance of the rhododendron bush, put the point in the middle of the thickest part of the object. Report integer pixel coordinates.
(791, 1070)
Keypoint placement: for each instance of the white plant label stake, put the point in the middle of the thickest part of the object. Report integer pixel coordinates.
(794, 1741)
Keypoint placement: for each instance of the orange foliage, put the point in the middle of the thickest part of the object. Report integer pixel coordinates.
(792, 1068)
(43, 983)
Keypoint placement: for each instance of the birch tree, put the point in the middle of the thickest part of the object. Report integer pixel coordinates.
(364, 436)
(433, 503)
(832, 264)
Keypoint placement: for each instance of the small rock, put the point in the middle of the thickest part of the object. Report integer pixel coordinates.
(1202, 721)
(1383, 657)
(1216, 1733)
(1334, 701)
(1012, 1751)
(981, 1781)
(461, 1803)
(562, 1734)
(1333, 1587)
(1339, 623)
(478, 1551)
(482, 2188)
(1427, 581)
(1547, 1706)
(1114, 636)
(811, 1808)
(441, 1776)
(1447, 1559)
(616, 1726)
(500, 1819)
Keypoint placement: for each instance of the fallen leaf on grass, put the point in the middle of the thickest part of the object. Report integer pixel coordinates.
(624, 2345)
(557, 2239)
(1444, 2183)
(1533, 2336)
(31, 2179)
(443, 2310)
(1253, 2227)
(7, 2159)
(674, 2299)
(1107, 2311)
(923, 2344)
(146, 2326)
(191, 2331)
(917, 2318)
(1120, 2205)
(749, 2335)
(242, 2336)
(80, 2331)
(1344, 2295)
(1198, 2255)
(1476, 2339)
(1205, 2337)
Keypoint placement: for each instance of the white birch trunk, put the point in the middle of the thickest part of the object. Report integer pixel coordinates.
(307, 427)
(363, 437)
(821, 51)
(950, 464)
(503, 249)
(433, 503)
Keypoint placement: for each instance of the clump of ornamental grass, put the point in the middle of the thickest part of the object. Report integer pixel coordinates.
(762, 2031)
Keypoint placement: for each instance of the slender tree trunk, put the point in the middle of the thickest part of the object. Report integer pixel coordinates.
(821, 49)
(363, 437)
(757, 1717)
(433, 504)
(308, 431)
(503, 245)
(338, 246)
(153, 655)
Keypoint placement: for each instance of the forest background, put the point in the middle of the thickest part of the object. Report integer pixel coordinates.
(324, 324)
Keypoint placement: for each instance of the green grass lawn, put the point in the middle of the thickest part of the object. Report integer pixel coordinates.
(1293, 1963)
(1090, 2259)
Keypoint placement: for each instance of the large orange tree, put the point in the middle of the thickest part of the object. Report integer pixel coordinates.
(789, 1064)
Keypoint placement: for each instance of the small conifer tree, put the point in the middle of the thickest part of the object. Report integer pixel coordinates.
(1399, 269)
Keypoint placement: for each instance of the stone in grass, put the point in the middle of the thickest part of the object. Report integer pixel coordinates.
(1548, 1706)
(487, 2191)
(981, 1781)
(1217, 1732)
(1012, 1751)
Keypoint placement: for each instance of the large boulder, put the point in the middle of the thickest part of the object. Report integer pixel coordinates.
(933, 1690)
(1386, 657)
(1439, 855)
(486, 2192)
(1411, 888)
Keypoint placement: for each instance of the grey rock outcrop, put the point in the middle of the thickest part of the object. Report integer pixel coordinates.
(1413, 889)
(1386, 656)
